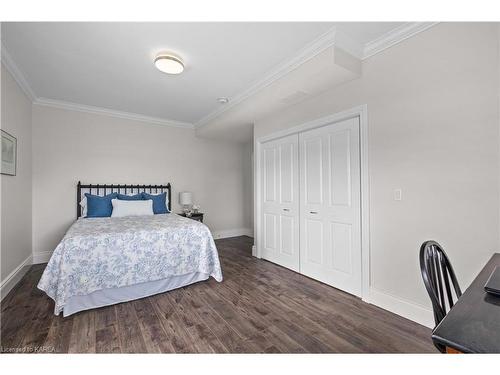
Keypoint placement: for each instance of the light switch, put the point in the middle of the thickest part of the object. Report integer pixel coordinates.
(398, 194)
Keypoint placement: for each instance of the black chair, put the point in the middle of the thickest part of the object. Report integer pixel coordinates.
(437, 273)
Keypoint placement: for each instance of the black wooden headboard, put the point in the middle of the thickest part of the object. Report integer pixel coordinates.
(101, 189)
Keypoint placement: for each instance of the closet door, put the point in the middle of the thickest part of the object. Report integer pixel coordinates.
(280, 208)
(330, 228)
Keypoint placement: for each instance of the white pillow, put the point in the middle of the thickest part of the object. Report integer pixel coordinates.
(83, 205)
(131, 208)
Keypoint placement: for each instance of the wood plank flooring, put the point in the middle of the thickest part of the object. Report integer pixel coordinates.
(258, 308)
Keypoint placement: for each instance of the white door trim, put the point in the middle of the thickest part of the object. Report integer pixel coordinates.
(362, 112)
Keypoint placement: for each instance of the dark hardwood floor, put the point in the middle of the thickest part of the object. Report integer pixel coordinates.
(258, 308)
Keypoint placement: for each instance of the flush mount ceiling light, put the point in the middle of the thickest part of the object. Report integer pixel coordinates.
(169, 64)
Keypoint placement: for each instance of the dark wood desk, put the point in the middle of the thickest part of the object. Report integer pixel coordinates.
(473, 324)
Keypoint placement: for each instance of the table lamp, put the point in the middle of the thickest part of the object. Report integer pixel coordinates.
(186, 200)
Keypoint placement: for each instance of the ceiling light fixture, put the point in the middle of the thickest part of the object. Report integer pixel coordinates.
(222, 100)
(169, 64)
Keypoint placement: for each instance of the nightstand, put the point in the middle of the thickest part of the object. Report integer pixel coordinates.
(198, 216)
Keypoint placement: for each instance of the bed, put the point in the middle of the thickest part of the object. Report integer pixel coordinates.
(108, 260)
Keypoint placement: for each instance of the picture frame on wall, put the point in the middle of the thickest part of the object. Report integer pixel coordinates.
(9, 154)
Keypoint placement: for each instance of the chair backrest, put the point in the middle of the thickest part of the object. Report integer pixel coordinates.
(437, 273)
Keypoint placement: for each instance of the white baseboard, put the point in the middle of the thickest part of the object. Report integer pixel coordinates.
(402, 307)
(232, 233)
(14, 277)
(41, 257)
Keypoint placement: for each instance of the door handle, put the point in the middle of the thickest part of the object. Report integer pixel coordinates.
(286, 209)
(313, 212)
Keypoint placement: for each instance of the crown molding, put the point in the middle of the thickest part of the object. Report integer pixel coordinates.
(394, 37)
(330, 38)
(21, 80)
(16, 73)
(110, 112)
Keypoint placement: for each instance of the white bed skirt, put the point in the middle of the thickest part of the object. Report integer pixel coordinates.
(112, 296)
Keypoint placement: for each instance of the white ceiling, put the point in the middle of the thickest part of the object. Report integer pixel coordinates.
(110, 65)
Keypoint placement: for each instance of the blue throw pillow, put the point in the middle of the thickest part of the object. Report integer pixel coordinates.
(159, 202)
(136, 197)
(98, 206)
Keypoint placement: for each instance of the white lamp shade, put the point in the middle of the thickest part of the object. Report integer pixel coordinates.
(186, 198)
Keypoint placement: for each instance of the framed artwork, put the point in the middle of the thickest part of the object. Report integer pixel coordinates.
(9, 154)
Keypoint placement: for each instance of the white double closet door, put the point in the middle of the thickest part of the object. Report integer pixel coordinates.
(311, 218)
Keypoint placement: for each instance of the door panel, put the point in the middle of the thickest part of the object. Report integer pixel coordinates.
(341, 240)
(314, 244)
(287, 172)
(270, 231)
(340, 173)
(280, 176)
(288, 245)
(313, 171)
(270, 175)
(330, 226)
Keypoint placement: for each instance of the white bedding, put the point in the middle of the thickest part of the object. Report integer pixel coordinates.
(99, 254)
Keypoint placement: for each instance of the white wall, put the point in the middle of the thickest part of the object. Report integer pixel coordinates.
(69, 146)
(247, 170)
(433, 132)
(16, 190)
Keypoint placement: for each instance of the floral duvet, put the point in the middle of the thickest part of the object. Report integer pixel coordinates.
(101, 253)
